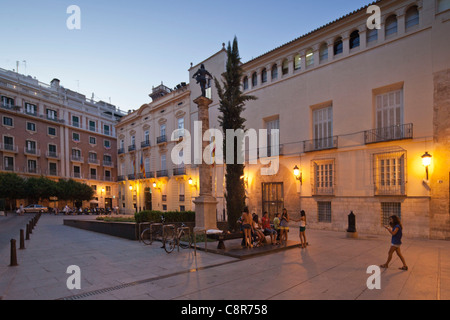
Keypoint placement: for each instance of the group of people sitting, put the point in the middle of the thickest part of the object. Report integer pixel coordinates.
(256, 230)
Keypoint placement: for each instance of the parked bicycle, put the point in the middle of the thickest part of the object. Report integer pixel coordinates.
(153, 233)
(180, 237)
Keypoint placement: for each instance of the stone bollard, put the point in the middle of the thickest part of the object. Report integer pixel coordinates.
(13, 254)
(351, 231)
(27, 233)
(30, 228)
(22, 240)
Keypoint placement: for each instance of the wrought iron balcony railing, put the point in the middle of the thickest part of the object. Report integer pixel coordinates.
(397, 132)
(320, 144)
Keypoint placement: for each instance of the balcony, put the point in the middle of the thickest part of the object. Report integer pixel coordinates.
(161, 139)
(94, 161)
(77, 175)
(398, 132)
(9, 148)
(162, 173)
(179, 171)
(121, 151)
(107, 163)
(75, 158)
(52, 155)
(32, 151)
(32, 170)
(132, 148)
(320, 144)
(108, 179)
(145, 144)
(94, 176)
(121, 178)
(131, 176)
(31, 113)
(9, 106)
(53, 173)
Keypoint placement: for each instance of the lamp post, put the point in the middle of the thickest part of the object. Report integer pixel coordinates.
(298, 175)
(426, 160)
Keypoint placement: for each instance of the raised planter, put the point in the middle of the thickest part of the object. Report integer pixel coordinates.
(126, 230)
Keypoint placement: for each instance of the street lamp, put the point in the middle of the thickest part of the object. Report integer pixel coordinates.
(426, 160)
(298, 175)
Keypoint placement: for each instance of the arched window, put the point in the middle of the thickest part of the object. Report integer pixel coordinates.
(254, 80)
(285, 67)
(264, 76)
(323, 52)
(297, 62)
(274, 72)
(412, 17)
(391, 25)
(372, 35)
(246, 83)
(354, 39)
(309, 58)
(338, 46)
(443, 5)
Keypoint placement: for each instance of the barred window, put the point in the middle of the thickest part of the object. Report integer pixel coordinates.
(389, 209)
(324, 177)
(324, 210)
(390, 176)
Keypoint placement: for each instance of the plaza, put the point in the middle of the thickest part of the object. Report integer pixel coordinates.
(333, 267)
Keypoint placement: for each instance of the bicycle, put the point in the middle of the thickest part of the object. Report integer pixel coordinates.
(173, 238)
(151, 234)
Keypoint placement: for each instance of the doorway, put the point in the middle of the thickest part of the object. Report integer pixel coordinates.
(272, 198)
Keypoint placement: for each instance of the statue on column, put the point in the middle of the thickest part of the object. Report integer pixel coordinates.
(200, 77)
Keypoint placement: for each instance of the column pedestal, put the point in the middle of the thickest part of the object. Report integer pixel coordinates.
(205, 204)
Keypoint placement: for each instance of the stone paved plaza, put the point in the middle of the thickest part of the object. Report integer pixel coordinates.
(331, 268)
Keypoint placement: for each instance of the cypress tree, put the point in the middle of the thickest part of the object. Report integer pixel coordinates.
(232, 104)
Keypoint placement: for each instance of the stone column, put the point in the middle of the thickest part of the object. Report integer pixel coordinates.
(205, 204)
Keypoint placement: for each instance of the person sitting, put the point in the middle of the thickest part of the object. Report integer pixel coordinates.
(258, 231)
(268, 230)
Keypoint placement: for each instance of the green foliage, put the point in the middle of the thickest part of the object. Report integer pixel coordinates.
(170, 216)
(13, 186)
(41, 188)
(71, 190)
(232, 104)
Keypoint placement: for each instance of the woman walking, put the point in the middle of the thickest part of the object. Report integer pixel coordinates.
(396, 230)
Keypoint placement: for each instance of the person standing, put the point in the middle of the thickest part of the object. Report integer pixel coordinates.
(247, 225)
(396, 230)
(276, 226)
(284, 226)
(303, 229)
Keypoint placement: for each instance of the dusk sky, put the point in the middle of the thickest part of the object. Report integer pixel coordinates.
(126, 47)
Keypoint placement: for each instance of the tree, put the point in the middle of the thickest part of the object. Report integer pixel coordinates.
(232, 104)
(38, 189)
(12, 188)
(71, 190)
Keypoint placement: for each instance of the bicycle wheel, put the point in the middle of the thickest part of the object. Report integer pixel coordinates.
(147, 237)
(170, 240)
(183, 239)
